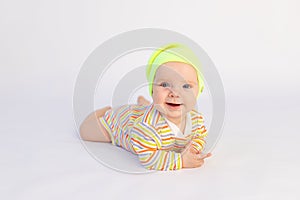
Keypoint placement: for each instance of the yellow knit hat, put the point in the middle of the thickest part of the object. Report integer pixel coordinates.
(173, 53)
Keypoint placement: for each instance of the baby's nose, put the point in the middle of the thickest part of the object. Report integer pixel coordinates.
(174, 92)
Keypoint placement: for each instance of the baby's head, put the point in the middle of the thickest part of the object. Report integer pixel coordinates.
(174, 80)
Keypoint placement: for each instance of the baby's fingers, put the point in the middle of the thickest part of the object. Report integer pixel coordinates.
(204, 156)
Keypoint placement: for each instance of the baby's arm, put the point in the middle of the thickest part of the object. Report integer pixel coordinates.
(192, 158)
(147, 144)
(198, 138)
(92, 130)
(192, 154)
(197, 144)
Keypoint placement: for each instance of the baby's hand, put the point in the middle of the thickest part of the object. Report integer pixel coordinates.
(191, 158)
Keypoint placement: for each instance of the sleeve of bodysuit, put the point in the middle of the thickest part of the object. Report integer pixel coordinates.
(147, 144)
(198, 140)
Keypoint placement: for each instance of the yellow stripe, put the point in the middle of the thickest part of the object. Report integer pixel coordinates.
(145, 142)
(146, 131)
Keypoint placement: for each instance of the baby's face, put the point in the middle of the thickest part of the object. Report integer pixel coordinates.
(175, 90)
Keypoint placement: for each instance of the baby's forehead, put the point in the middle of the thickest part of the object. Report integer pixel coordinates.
(176, 70)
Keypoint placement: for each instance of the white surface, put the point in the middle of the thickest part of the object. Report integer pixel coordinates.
(115, 158)
(255, 46)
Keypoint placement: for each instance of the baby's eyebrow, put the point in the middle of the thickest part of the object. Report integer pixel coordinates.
(159, 80)
(187, 81)
(192, 82)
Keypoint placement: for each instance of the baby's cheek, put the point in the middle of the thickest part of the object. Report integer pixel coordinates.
(157, 99)
(158, 95)
(190, 102)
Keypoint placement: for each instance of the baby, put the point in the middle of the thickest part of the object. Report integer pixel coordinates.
(167, 134)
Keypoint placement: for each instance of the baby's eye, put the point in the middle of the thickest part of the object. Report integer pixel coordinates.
(165, 84)
(187, 86)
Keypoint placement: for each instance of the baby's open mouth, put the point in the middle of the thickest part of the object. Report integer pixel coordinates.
(174, 104)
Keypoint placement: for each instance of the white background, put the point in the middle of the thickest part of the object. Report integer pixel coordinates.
(255, 46)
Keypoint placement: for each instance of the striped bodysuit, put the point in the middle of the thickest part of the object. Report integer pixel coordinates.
(142, 130)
